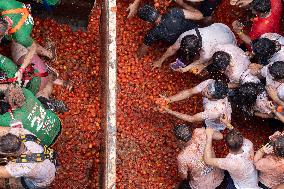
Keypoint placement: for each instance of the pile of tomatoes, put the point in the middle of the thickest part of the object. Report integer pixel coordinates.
(78, 59)
(147, 149)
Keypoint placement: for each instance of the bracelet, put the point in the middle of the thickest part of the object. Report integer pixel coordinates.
(21, 70)
(240, 32)
(230, 126)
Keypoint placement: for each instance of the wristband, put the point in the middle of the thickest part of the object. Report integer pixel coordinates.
(230, 126)
(241, 32)
(21, 70)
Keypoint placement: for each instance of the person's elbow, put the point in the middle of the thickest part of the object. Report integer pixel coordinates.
(198, 15)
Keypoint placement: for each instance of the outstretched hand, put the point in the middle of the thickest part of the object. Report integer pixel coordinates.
(268, 149)
(237, 26)
(18, 76)
(132, 8)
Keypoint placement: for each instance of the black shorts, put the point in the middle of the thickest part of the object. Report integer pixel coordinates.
(207, 7)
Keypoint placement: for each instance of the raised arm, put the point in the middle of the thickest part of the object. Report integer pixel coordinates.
(267, 149)
(195, 118)
(209, 158)
(27, 61)
(133, 8)
(170, 52)
(238, 28)
(273, 95)
(183, 95)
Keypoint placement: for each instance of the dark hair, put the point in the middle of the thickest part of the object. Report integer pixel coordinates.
(148, 13)
(263, 49)
(245, 97)
(182, 132)
(190, 45)
(279, 146)
(221, 90)
(221, 60)
(261, 6)
(3, 26)
(234, 140)
(277, 70)
(10, 143)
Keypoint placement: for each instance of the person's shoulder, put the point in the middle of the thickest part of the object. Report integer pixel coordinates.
(174, 10)
(247, 143)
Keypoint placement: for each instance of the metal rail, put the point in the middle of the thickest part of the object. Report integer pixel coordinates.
(108, 72)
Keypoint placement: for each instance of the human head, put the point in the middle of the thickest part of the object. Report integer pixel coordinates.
(216, 90)
(190, 45)
(279, 146)
(182, 132)
(14, 96)
(263, 49)
(148, 13)
(10, 145)
(261, 6)
(3, 27)
(276, 70)
(234, 140)
(245, 96)
(221, 60)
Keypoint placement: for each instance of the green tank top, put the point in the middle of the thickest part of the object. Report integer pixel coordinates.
(23, 35)
(43, 123)
(8, 66)
(50, 2)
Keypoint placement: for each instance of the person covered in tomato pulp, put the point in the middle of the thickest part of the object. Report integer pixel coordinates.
(215, 103)
(168, 27)
(191, 167)
(26, 162)
(16, 23)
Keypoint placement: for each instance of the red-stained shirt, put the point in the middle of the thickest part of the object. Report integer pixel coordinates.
(190, 160)
(270, 24)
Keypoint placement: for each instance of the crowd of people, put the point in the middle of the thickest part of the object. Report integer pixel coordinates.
(29, 124)
(246, 77)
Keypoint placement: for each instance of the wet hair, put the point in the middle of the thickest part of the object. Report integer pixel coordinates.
(234, 140)
(221, 90)
(261, 6)
(279, 146)
(245, 96)
(263, 49)
(221, 60)
(182, 132)
(15, 96)
(10, 144)
(190, 45)
(277, 70)
(148, 13)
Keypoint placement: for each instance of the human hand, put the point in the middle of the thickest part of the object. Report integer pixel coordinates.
(254, 68)
(197, 69)
(271, 106)
(209, 132)
(237, 26)
(157, 64)
(132, 8)
(243, 3)
(267, 149)
(19, 76)
(275, 135)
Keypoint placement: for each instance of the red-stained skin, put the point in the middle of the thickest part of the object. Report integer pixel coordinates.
(146, 147)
